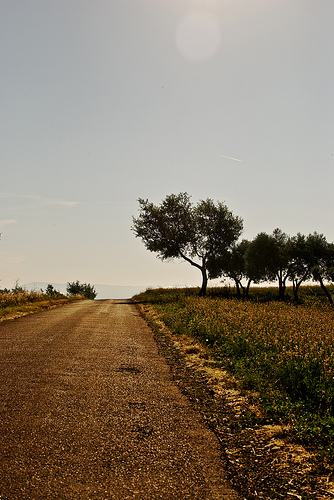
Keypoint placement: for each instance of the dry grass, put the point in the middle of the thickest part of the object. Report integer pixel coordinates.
(263, 458)
(15, 305)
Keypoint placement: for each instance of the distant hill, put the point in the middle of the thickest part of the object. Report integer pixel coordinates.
(103, 291)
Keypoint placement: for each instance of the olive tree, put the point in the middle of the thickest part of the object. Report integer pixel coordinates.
(194, 233)
(323, 259)
(305, 252)
(233, 265)
(312, 257)
(268, 258)
(259, 258)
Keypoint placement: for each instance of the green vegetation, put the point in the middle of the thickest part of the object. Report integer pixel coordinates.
(206, 236)
(177, 229)
(282, 351)
(86, 290)
(17, 304)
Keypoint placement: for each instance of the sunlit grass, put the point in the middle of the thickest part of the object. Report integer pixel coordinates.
(283, 351)
(18, 304)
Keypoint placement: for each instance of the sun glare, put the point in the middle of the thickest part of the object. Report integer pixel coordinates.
(198, 35)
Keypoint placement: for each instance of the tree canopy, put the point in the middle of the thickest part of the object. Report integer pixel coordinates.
(195, 233)
(206, 236)
(268, 258)
(232, 265)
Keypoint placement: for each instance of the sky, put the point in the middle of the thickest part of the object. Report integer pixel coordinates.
(107, 101)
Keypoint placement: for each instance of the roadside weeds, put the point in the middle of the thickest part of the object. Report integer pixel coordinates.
(13, 312)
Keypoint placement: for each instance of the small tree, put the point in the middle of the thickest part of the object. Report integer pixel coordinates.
(74, 288)
(233, 266)
(176, 229)
(86, 290)
(323, 260)
(282, 259)
(304, 257)
(268, 258)
(89, 291)
(50, 290)
(259, 258)
(18, 288)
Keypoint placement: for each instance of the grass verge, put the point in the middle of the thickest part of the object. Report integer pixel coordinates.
(15, 305)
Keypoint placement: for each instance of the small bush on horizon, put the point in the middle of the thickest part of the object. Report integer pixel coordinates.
(18, 288)
(52, 292)
(86, 290)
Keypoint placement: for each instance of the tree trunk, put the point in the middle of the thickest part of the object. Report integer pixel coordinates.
(295, 286)
(202, 292)
(328, 295)
(247, 288)
(237, 284)
(281, 292)
(202, 268)
(281, 285)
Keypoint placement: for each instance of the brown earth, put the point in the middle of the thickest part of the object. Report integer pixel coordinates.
(89, 410)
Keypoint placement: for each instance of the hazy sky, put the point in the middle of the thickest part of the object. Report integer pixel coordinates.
(106, 101)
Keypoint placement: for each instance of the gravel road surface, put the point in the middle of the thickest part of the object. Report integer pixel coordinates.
(89, 410)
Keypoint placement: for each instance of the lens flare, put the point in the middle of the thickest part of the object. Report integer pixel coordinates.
(198, 35)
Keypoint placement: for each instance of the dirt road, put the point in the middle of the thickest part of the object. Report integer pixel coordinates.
(88, 410)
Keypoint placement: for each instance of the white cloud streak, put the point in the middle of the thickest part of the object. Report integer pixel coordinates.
(5, 222)
(62, 203)
(228, 157)
(38, 199)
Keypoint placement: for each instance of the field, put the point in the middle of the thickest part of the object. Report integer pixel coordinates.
(282, 351)
(15, 304)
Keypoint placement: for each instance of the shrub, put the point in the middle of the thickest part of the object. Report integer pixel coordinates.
(86, 290)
